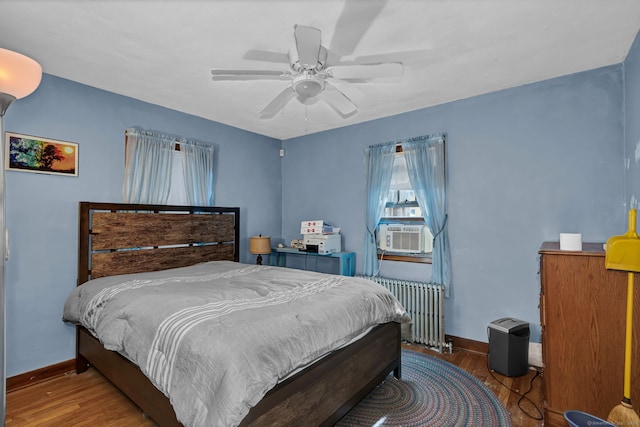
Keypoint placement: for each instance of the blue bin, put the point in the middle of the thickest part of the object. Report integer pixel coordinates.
(582, 419)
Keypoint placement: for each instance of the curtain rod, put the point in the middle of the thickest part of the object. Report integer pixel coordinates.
(152, 133)
(174, 138)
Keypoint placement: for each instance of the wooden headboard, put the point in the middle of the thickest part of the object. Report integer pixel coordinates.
(120, 238)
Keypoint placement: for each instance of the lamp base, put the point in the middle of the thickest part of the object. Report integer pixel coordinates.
(259, 260)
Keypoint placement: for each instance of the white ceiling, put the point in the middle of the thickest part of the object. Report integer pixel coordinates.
(162, 51)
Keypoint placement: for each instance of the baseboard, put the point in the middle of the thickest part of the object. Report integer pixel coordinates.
(39, 375)
(468, 345)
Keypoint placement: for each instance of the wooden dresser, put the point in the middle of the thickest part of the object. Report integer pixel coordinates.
(582, 314)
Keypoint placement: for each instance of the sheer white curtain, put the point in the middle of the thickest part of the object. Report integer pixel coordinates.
(147, 169)
(197, 167)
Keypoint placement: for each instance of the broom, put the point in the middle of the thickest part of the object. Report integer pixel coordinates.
(623, 253)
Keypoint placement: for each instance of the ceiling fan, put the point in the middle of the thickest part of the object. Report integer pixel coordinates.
(310, 76)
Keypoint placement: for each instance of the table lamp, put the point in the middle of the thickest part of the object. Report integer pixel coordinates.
(259, 245)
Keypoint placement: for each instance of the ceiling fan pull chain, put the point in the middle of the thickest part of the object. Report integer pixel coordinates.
(306, 118)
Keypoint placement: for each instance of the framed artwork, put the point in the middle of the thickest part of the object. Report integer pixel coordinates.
(27, 153)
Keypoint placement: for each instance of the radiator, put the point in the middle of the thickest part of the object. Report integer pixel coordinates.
(424, 303)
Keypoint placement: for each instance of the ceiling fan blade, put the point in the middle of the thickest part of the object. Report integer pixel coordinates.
(277, 103)
(338, 101)
(266, 56)
(354, 21)
(307, 44)
(362, 72)
(218, 74)
(406, 57)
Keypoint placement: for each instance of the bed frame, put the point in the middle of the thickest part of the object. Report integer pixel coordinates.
(176, 236)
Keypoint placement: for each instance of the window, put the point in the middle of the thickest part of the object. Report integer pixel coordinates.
(403, 234)
(153, 169)
(425, 164)
(401, 201)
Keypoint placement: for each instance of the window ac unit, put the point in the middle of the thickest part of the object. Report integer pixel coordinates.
(405, 238)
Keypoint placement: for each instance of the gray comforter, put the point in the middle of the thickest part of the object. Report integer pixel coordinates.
(215, 337)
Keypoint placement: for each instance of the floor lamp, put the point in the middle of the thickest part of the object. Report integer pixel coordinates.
(19, 77)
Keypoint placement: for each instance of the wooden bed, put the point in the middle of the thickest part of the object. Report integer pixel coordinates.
(176, 236)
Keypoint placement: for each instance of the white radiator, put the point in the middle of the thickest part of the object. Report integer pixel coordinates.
(424, 303)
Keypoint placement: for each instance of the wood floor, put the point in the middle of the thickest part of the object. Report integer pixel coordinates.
(90, 400)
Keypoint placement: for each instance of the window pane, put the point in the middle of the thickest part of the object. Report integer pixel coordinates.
(401, 200)
(177, 195)
(400, 177)
(399, 210)
(401, 231)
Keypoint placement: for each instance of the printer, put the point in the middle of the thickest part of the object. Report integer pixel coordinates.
(323, 243)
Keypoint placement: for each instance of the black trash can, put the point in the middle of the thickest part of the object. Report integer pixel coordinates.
(509, 346)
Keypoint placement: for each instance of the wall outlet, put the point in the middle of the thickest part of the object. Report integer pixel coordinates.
(535, 354)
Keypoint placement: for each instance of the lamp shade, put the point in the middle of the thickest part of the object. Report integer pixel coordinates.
(260, 245)
(19, 74)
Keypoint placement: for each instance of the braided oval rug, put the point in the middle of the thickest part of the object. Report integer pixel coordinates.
(432, 392)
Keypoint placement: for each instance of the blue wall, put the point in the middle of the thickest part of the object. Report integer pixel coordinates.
(524, 165)
(42, 209)
(632, 126)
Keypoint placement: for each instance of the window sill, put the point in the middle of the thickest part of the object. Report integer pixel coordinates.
(422, 259)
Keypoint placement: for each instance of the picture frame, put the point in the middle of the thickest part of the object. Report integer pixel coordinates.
(27, 153)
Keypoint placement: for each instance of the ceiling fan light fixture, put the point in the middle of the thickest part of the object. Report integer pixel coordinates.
(307, 86)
